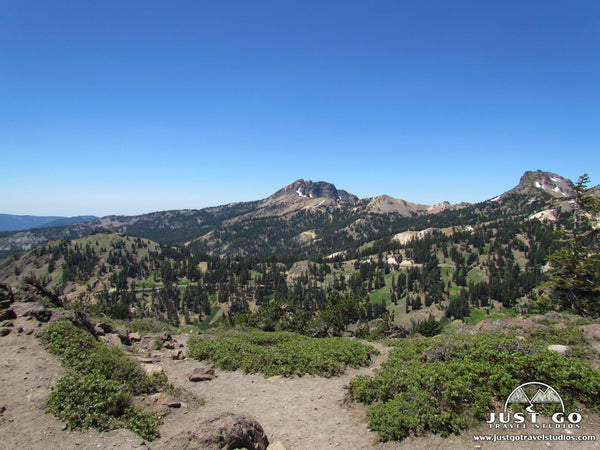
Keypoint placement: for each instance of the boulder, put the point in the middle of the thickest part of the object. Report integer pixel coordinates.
(202, 374)
(111, 339)
(123, 334)
(106, 327)
(135, 337)
(226, 431)
(151, 343)
(560, 349)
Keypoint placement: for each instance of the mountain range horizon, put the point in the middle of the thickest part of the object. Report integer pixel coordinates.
(314, 189)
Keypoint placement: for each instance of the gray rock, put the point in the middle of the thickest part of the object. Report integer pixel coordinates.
(202, 374)
(226, 431)
(123, 334)
(560, 349)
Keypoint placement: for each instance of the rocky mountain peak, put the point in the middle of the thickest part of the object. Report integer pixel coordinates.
(549, 182)
(311, 189)
(532, 183)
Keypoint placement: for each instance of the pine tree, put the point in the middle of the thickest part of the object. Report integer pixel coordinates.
(574, 276)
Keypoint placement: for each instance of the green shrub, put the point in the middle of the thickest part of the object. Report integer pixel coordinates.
(445, 384)
(429, 327)
(93, 401)
(281, 353)
(97, 391)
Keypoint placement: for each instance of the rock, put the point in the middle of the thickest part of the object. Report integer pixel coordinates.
(165, 336)
(177, 355)
(374, 324)
(226, 431)
(170, 345)
(151, 369)
(123, 334)
(164, 400)
(107, 328)
(5, 304)
(154, 344)
(7, 324)
(171, 403)
(38, 312)
(99, 331)
(135, 337)
(7, 296)
(5, 331)
(7, 314)
(34, 291)
(202, 374)
(560, 349)
(144, 360)
(277, 445)
(111, 339)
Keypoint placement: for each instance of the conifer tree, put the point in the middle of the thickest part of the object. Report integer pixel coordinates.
(574, 276)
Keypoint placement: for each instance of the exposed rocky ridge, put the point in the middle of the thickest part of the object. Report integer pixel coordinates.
(310, 189)
(532, 183)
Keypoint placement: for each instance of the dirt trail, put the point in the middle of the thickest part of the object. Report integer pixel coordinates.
(301, 412)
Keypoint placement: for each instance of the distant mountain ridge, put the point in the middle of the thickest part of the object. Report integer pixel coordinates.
(305, 216)
(12, 222)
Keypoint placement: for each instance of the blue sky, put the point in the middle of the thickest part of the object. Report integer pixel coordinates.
(127, 107)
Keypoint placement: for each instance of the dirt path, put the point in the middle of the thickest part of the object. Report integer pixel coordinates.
(301, 412)
(27, 373)
(309, 413)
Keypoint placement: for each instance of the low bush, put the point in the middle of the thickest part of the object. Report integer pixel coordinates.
(281, 353)
(97, 391)
(445, 384)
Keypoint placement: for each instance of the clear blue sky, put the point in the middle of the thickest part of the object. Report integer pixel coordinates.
(127, 107)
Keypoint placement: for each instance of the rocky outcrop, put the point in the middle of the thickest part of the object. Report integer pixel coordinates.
(202, 374)
(226, 431)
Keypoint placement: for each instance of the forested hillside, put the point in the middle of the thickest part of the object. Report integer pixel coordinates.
(316, 270)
